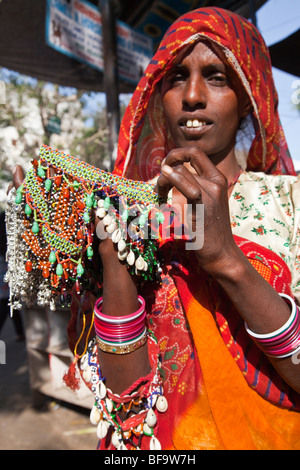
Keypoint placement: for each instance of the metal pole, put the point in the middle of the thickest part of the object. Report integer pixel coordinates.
(252, 12)
(110, 75)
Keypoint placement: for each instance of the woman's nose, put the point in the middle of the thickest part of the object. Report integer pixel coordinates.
(195, 93)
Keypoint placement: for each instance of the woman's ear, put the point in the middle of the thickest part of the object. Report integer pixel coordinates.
(247, 107)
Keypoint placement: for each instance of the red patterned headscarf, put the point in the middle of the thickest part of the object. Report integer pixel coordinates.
(143, 140)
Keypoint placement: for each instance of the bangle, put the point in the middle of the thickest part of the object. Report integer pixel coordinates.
(284, 341)
(120, 319)
(122, 348)
(121, 334)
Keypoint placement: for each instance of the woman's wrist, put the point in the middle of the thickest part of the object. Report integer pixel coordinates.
(229, 267)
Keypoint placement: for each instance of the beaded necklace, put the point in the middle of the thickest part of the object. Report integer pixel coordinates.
(56, 206)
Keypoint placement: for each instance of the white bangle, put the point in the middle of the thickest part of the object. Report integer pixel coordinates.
(293, 305)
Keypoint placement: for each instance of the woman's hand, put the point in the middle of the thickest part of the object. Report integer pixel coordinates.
(197, 181)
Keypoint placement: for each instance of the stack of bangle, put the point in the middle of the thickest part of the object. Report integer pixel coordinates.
(121, 334)
(285, 341)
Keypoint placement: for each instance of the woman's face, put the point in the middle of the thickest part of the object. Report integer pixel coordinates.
(203, 103)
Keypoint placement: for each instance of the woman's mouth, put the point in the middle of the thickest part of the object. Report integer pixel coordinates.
(194, 125)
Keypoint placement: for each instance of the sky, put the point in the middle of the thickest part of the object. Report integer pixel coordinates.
(276, 20)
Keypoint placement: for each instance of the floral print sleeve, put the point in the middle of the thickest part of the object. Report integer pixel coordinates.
(266, 209)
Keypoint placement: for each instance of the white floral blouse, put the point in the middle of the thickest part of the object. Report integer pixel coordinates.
(266, 209)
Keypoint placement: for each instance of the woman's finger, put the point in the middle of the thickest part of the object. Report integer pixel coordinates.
(183, 180)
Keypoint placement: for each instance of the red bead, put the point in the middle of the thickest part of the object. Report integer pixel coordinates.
(80, 205)
(57, 180)
(28, 266)
(45, 273)
(66, 193)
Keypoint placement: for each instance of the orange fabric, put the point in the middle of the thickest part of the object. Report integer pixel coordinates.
(257, 423)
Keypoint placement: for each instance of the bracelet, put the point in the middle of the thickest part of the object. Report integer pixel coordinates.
(121, 334)
(284, 341)
(120, 319)
(122, 348)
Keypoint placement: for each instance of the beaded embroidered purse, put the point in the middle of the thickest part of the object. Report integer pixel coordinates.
(50, 228)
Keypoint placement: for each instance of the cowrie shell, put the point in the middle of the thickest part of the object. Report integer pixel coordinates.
(121, 245)
(155, 444)
(94, 416)
(111, 227)
(115, 439)
(109, 405)
(122, 255)
(101, 390)
(140, 263)
(130, 258)
(107, 220)
(161, 404)
(100, 212)
(116, 236)
(151, 418)
(102, 429)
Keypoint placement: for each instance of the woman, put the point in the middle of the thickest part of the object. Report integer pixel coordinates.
(226, 383)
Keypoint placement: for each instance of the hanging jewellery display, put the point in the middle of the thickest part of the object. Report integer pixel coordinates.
(50, 222)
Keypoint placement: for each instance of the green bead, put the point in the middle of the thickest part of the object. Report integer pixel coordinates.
(18, 199)
(89, 252)
(35, 227)
(41, 173)
(48, 184)
(52, 257)
(106, 202)
(80, 269)
(59, 270)
(86, 217)
(89, 201)
(28, 210)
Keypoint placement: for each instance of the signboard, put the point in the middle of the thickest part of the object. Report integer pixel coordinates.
(75, 29)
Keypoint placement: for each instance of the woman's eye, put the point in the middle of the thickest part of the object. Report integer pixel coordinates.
(218, 79)
(176, 77)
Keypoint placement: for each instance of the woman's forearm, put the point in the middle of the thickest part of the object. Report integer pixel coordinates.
(260, 306)
(120, 297)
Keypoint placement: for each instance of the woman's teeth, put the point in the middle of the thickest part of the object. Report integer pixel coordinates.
(194, 123)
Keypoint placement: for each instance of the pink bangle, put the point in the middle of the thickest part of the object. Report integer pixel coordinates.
(122, 330)
(119, 319)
